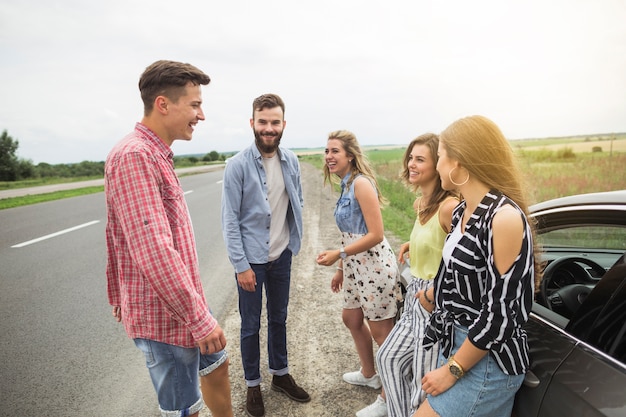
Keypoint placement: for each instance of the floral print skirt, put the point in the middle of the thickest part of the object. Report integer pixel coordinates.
(371, 280)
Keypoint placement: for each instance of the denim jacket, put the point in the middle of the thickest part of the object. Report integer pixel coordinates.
(246, 211)
(348, 214)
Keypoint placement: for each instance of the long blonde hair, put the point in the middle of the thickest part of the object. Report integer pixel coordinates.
(359, 164)
(481, 148)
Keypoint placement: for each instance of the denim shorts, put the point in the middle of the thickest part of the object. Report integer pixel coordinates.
(174, 371)
(484, 390)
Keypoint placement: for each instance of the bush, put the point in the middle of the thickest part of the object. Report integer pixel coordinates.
(565, 153)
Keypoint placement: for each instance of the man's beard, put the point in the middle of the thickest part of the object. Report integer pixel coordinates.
(267, 148)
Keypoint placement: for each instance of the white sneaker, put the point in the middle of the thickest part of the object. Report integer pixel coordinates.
(357, 378)
(376, 409)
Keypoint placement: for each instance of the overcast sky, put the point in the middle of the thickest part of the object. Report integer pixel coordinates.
(386, 70)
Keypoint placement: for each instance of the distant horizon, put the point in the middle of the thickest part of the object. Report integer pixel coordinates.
(595, 136)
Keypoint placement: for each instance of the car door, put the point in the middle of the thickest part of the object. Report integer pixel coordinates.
(549, 346)
(578, 368)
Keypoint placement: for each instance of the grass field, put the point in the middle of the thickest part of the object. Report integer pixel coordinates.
(552, 169)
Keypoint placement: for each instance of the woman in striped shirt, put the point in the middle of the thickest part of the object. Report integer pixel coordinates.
(485, 284)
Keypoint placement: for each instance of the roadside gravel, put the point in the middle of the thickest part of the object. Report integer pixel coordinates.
(320, 347)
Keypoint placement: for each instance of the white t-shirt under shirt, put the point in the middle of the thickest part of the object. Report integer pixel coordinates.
(279, 202)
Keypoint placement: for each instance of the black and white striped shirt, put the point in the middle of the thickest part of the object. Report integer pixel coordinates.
(469, 290)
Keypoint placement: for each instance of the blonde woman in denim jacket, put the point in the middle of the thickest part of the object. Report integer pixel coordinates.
(367, 270)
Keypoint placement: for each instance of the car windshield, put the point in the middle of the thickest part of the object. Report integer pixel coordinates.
(589, 237)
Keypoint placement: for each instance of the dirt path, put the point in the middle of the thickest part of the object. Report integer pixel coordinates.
(320, 347)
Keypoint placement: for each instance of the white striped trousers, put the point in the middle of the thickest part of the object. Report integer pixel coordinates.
(401, 360)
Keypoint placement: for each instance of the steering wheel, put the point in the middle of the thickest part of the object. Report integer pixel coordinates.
(570, 297)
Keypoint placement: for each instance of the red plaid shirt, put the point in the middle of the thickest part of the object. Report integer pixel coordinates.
(152, 267)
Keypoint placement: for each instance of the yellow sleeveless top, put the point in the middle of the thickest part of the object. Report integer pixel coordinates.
(426, 244)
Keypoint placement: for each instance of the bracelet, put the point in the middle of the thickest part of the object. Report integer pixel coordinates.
(428, 299)
(339, 268)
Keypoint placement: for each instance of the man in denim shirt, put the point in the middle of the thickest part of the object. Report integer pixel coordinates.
(262, 226)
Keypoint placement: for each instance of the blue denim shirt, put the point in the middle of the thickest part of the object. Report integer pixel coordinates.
(348, 214)
(246, 211)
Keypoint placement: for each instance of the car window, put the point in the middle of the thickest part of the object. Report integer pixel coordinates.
(589, 237)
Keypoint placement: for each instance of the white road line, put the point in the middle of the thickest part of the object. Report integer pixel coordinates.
(71, 229)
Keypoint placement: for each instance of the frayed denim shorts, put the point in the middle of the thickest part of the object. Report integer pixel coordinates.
(174, 371)
(484, 390)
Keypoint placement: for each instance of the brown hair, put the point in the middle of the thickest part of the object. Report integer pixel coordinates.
(169, 79)
(360, 163)
(439, 194)
(267, 101)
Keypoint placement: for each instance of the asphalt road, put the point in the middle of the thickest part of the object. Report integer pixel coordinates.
(62, 352)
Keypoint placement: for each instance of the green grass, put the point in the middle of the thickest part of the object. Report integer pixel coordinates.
(584, 173)
(36, 182)
(6, 203)
(525, 143)
(549, 174)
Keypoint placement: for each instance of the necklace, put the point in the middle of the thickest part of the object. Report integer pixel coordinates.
(421, 209)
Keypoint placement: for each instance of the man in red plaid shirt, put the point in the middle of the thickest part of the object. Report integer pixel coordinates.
(152, 269)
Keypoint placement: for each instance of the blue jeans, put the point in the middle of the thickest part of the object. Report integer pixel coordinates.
(174, 371)
(275, 276)
(484, 391)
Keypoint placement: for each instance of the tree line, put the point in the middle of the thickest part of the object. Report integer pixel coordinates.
(13, 168)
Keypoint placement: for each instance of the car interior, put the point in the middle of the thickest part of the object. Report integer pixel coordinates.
(601, 318)
(593, 312)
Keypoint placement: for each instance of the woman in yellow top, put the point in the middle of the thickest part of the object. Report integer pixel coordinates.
(400, 360)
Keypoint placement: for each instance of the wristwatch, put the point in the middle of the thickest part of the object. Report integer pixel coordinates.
(342, 253)
(455, 369)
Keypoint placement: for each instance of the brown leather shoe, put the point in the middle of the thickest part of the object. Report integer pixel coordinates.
(254, 402)
(288, 386)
